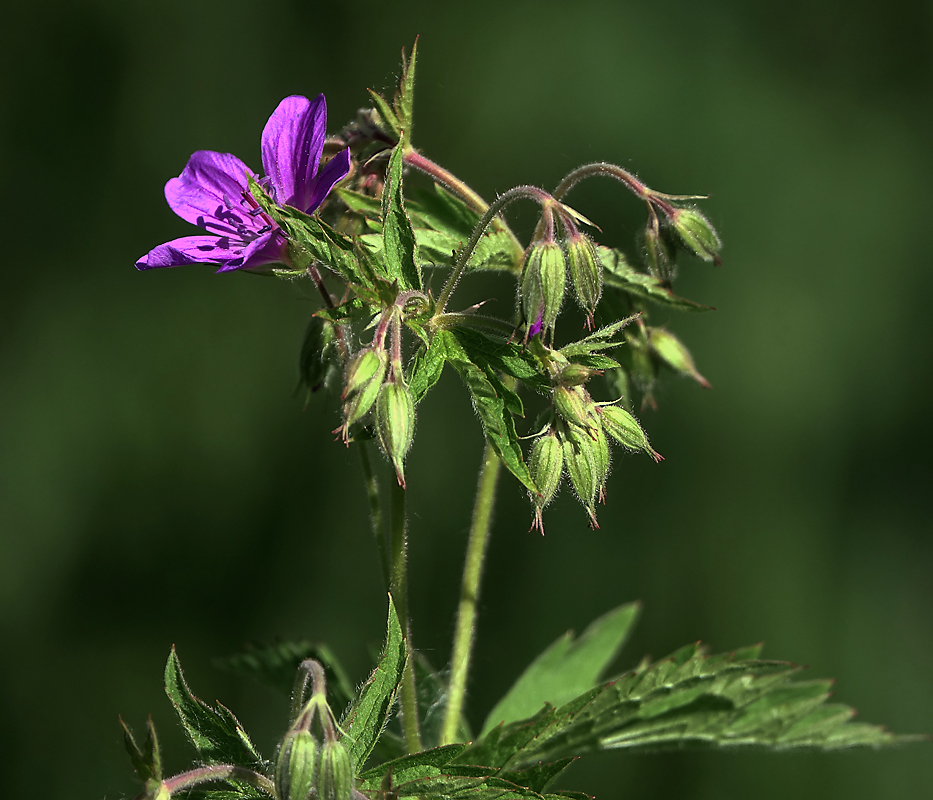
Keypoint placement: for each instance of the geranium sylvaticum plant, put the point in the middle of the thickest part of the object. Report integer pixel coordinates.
(366, 217)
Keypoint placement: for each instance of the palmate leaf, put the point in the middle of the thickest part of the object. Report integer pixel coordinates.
(620, 274)
(686, 700)
(366, 717)
(566, 669)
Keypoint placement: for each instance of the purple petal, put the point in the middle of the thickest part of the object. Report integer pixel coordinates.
(292, 143)
(334, 171)
(266, 249)
(207, 187)
(191, 250)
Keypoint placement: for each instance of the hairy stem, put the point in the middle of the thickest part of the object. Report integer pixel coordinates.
(218, 772)
(408, 694)
(469, 594)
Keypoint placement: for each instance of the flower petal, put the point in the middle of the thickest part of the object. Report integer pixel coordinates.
(192, 250)
(207, 187)
(292, 142)
(269, 248)
(333, 172)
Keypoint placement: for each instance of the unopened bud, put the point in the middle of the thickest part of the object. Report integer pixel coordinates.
(658, 253)
(295, 766)
(574, 405)
(156, 790)
(395, 424)
(673, 353)
(603, 460)
(364, 377)
(543, 282)
(316, 363)
(581, 460)
(546, 465)
(624, 428)
(586, 273)
(697, 234)
(335, 781)
(576, 375)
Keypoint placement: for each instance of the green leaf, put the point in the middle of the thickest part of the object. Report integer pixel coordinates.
(621, 275)
(387, 114)
(491, 405)
(405, 96)
(598, 340)
(215, 732)
(426, 367)
(506, 357)
(686, 700)
(147, 761)
(398, 238)
(275, 665)
(568, 668)
(354, 308)
(361, 203)
(366, 717)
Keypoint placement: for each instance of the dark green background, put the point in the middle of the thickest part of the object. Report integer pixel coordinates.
(160, 483)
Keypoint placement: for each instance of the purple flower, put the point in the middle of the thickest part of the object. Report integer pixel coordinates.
(213, 194)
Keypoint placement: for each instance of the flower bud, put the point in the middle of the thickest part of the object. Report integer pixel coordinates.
(624, 428)
(673, 353)
(156, 790)
(575, 406)
(335, 781)
(316, 362)
(295, 766)
(582, 465)
(697, 234)
(546, 465)
(395, 424)
(603, 460)
(543, 282)
(364, 377)
(576, 375)
(658, 254)
(586, 272)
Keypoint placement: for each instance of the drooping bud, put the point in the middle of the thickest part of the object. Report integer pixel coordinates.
(543, 282)
(624, 428)
(581, 460)
(316, 364)
(364, 377)
(546, 465)
(576, 375)
(658, 254)
(576, 407)
(697, 233)
(395, 424)
(586, 272)
(335, 781)
(673, 353)
(295, 766)
(603, 460)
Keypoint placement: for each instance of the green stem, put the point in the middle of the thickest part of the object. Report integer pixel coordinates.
(218, 772)
(408, 695)
(469, 594)
(375, 511)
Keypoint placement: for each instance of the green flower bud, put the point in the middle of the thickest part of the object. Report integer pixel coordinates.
(395, 424)
(156, 790)
(364, 377)
(295, 766)
(624, 428)
(697, 234)
(543, 282)
(673, 353)
(581, 459)
(575, 406)
(586, 272)
(658, 254)
(576, 375)
(316, 364)
(336, 778)
(603, 460)
(546, 465)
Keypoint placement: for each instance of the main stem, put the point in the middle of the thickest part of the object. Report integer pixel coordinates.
(408, 695)
(469, 594)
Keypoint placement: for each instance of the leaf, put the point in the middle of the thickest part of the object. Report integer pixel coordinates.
(215, 732)
(426, 368)
(620, 274)
(361, 203)
(507, 357)
(490, 405)
(405, 96)
(566, 669)
(354, 308)
(147, 761)
(366, 717)
(275, 665)
(598, 340)
(686, 700)
(386, 112)
(398, 238)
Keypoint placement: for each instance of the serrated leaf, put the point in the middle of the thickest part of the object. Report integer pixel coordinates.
(398, 238)
(405, 96)
(426, 368)
(495, 354)
(685, 700)
(491, 407)
(361, 203)
(146, 760)
(601, 339)
(568, 668)
(354, 308)
(275, 665)
(215, 732)
(366, 717)
(621, 275)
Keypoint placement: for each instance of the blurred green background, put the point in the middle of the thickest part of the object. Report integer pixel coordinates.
(160, 484)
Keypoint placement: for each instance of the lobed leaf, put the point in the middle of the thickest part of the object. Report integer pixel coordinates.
(621, 275)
